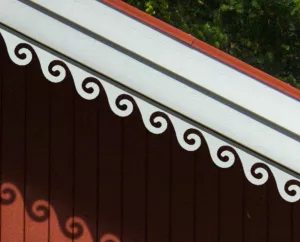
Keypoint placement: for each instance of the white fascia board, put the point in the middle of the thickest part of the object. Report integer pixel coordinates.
(151, 83)
(185, 61)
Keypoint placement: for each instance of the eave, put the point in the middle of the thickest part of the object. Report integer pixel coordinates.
(161, 69)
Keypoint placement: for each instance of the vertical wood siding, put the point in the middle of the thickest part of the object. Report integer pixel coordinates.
(71, 170)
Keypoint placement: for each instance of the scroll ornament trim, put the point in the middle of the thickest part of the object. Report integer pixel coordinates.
(155, 120)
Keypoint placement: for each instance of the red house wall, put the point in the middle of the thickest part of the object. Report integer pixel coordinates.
(71, 170)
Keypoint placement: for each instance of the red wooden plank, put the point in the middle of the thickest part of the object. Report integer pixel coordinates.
(62, 160)
(279, 215)
(37, 154)
(255, 214)
(2, 50)
(158, 186)
(182, 202)
(295, 222)
(110, 167)
(232, 203)
(134, 179)
(207, 197)
(85, 199)
(13, 147)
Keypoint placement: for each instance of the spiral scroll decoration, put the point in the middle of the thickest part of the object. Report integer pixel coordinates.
(8, 195)
(193, 137)
(125, 104)
(260, 172)
(227, 155)
(91, 85)
(292, 188)
(90, 88)
(156, 122)
(58, 71)
(23, 53)
(159, 121)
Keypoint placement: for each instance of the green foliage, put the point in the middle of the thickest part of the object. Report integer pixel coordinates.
(263, 33)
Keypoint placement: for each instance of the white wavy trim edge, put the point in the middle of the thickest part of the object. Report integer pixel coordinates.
(146, 109)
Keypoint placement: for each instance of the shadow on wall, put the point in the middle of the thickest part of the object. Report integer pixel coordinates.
(13, 215)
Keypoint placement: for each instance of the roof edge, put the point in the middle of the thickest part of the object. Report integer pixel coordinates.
(224, 153)
(204, 47)
(253, 133)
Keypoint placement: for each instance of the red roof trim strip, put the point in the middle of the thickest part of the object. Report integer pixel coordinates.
(205, 48)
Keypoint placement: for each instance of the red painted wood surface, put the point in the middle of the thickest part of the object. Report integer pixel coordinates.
(37, 134)
(110, 178)
(182, 193)
(72, 170)
(158, 187)
(13, 154)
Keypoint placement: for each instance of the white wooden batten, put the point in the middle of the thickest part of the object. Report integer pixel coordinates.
(108, 42)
